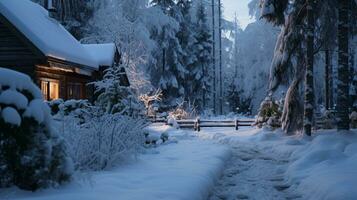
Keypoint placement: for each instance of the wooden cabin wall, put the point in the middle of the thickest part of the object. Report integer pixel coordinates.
(15, 51)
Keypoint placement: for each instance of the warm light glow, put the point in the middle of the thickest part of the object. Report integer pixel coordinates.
(50, 89)
(44, 89)
(54, 90)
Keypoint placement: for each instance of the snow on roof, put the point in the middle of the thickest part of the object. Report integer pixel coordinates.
(103, 53)
(44, 32)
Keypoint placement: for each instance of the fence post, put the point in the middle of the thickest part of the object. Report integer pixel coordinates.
(198, 128)
(237, 124)
(195, 125)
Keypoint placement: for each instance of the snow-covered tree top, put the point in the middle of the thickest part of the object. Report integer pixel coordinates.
(44, 32)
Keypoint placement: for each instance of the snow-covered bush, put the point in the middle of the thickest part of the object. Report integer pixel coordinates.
(54, 105)
(80, 110)
(269, 114)
(104, 140)
(151, 101)
(329, 120)
(183, 110)
(32, 155)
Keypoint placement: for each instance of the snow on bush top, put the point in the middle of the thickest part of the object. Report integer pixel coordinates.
(16, 81)
(46, 33)
(18, 91)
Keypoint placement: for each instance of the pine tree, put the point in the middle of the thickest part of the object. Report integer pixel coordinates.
(187, 40)
(113, 96)
(343, 69)
(233, 89)
(73, 14)
(201, 69)
(220, 57)
(214, 55)
(173, 71)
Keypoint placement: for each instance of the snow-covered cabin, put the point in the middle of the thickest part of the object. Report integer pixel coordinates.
(35, 44)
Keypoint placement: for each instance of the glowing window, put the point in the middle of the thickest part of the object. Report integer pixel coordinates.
(50, 89)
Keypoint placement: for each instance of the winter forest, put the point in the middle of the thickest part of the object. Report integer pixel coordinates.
(178, 99)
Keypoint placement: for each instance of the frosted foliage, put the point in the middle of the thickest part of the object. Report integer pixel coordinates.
(267, 7)
(127, 23)
(253, 65)
(103, 141)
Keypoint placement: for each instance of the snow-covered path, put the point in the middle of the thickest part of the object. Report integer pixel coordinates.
(253, 173)
(224, 164)
(268, 165)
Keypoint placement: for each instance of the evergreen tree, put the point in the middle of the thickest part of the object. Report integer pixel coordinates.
(73, 14)
(200, 71)
(173, 72)
(343, 69)
(220, 57)
(214, 54)
(186, 37)
(113, 96)
(233, 89)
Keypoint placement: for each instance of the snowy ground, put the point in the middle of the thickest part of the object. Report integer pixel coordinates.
(221, 163)
(187, 169)
(271, 165)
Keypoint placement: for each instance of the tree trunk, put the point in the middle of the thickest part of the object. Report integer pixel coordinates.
(328, 80)
(220, 58)
(214, 55)
(309, 75)
(204, 88)
(163, 61)
(293, 115)
(343, 69)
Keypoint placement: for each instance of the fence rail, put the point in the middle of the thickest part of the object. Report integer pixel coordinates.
(197, 124)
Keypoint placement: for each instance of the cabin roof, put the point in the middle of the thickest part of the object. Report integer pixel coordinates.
(46, 33)
(103, 53)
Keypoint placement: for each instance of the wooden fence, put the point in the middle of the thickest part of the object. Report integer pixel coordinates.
(197, 124)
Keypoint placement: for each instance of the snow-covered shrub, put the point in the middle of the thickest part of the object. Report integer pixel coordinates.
(328, 119)
(269, 114)
(104, 140)
(171, 121)
(184, 110)
(151, 101)
(353, 119)
(32, 155)
(55, 105)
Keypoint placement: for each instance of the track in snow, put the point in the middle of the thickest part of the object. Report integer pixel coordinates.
(253, 173)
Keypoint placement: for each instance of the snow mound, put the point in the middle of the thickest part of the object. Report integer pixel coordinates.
(11, 116)
(325, 168)
(14, 97)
